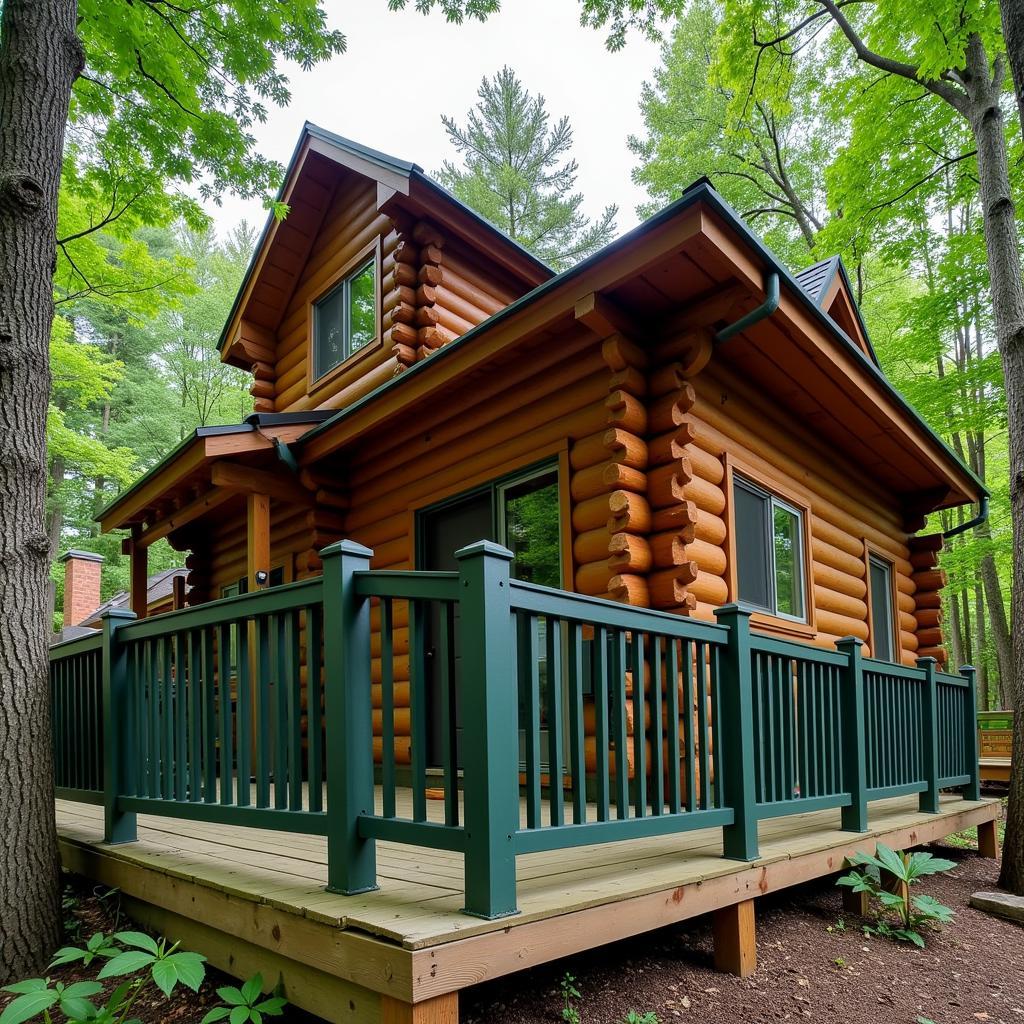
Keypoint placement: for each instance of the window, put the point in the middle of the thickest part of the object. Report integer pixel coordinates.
(528, 513)
(241, 586)
(345, 319)
(882, 610)
(769, 551)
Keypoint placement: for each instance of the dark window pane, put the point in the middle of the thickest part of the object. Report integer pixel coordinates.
(789, 576)
(881, 610)
(752, 555)
(531, 529)
(329, 325)
(277, 576)
(362, 307)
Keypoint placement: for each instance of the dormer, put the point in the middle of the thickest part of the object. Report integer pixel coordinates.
(375, 268)
(829, 286)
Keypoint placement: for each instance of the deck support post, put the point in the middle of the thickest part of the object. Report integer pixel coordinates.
(138, 585)
(490, 714)
(735, 939)
(929, 801)
(856, 903)
(855, 816)
(118, 738)
(739, 839)
(348, 719)
(972, 791)
(439, 1010)
(988, 839)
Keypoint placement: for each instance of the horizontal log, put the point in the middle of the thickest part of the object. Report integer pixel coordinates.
(626, 412)
(630, 380)
(926, 617)
(930, 637)
(668, 587)
(666, 484)
(670, 380)
(666, 413)
(926, 542)
(938, 653)
(668, 548)
(837, 558)
(927, 599)
(705, 495)
(592, 578)
(591, 545)
(628, 512)
(628, 553)
(924, 559)
(836, 579)
(592, 513)
(709, 589)
(620, 445)
(629, 590)
(841, 625)
(606, 477)
(841, 604)
(709, 557)
(929, 579)
(708, 527)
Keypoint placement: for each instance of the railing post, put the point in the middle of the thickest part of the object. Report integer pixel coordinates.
(490, 715)
(118, 826)
(929, 737)
(855, 817)
(736, 734)
(348, 720)
(972, 791)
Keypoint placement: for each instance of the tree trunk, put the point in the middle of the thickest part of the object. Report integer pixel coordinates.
(984, 700)
(40, 57)
(1013, 36)
(1002, 247)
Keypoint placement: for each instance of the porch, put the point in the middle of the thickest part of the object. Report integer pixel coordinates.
(255, 748)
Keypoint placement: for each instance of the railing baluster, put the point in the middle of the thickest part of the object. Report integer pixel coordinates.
(387, 706)
(167, 717)
(224, 716)
(449, 755)
(243, 713)
(761, 764)
(621, 733)
(529, 684)
(672, 684)
(600, 666)
(418, 707)
(639, 730)
(691, 737)
(555, 721)
(180, 709)
(314, 710)
(657, 729)
(261, 711)
(702, 726)
(716, 747)
(293, 684)
(577, 753)
(279, 714)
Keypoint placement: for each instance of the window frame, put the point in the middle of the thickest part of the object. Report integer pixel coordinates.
(873, 555)
(790, 496)
(368, 254)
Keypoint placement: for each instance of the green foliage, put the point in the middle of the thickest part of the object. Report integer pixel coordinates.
(649, 1017)
(246, 1004)
(902, 915)
(570, 994)
(513, 173)
(145, 964)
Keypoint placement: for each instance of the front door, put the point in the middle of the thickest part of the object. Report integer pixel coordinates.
(521, 512)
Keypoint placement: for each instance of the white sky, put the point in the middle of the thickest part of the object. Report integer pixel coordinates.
(402, 70)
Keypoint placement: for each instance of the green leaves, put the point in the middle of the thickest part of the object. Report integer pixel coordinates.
(245, 1004)
(99, 945)
(36, 996)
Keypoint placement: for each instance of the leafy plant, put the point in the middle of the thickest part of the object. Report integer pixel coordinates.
(650, 1017)
(246, 1004)
(902, 915)
(570, 1012)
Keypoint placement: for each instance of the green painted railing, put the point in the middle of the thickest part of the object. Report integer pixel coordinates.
(471, 712)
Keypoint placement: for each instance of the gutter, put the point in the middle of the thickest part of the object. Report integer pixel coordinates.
(980, 518)
(770, 304)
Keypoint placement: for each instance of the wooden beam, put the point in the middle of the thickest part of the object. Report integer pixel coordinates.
(258, 545)
(139, 587)
(282, 486)
(439, 1010)
(178, 592)
(735, 939)
(193, 510)
(604, 317)
(988, 839)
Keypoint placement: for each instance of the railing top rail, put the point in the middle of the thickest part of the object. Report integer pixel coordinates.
(764, 644)
(407, 584)
(286, 597)
(888, 669)
(560, 604)
(949, 679)
(78, 645)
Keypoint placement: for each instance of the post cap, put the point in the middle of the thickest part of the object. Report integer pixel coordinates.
(926, 661)
(346, 547)
(734, 608)
(964, 669)
(81, 556)
(118, 613)
(850, 641)
(484, 547)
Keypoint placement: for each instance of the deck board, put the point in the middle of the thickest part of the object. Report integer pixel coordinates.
(420, 896)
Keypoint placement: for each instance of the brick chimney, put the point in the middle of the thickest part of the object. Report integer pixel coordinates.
(81, 585)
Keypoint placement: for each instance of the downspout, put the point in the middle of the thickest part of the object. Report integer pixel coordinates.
(770, 304)
(284, 453)
(972, 523)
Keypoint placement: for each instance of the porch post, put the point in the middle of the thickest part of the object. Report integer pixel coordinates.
(118, 742)
(348, 719)
(139, 581)
(929, 737)
(736, 733)
(854, 753)
(972, 791)
(490, 715)
(257, 537)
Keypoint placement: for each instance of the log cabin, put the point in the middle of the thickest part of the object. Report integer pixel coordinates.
(687, 463)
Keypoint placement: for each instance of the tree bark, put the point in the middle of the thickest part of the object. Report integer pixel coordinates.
(984, 699)
(40, 58)
(1003, 250)
(1013, 35)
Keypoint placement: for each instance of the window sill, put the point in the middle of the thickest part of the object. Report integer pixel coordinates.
(328, 376)
(766, 623)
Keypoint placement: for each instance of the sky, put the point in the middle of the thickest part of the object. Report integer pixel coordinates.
(402, 71)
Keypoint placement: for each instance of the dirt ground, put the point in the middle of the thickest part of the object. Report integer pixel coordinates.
(812, 965)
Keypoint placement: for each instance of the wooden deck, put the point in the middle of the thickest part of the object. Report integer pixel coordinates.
(253, 899)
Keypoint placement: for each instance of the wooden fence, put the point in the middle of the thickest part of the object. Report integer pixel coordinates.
(608, 722)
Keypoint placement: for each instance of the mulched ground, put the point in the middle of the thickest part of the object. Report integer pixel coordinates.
(812, 965)
(89, 909)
